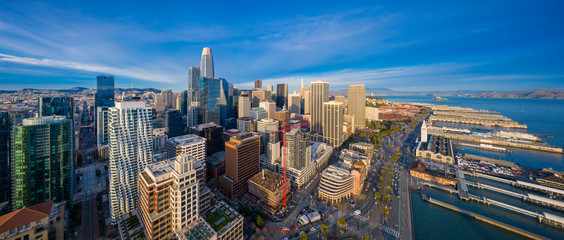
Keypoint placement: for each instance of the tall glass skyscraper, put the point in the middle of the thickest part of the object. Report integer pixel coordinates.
(214, 99)
(194, 78)
(105, 92)
(206, 65)
(281, 95)
(42, 161)
(5, 183)
(56, 106)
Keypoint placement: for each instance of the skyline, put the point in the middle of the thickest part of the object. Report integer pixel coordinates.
(484, 46)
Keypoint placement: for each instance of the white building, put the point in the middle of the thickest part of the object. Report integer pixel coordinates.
(423, 132)
(191, 144)
(371, 113)
(102, 119)
(267, 125)
(333, 116)
(244, 106)
(357, 104)
(269, 106)
(131, 143)
(159, 139)
(319, 95)
(294, 103)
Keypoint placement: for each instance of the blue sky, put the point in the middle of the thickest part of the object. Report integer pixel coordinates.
(401, 45)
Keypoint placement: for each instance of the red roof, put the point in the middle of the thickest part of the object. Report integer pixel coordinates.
(26, 215)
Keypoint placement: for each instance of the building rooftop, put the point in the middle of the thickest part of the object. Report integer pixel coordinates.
(188, 139)
(335, 172)
(206, 125)
(130, 104)
(271, 181)
(25, 215)
(162, 167)
(438, 144)
(222, 216)
(43, 120)
(199, 229)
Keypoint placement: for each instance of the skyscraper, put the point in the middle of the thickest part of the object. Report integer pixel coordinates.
(105, 91)
(206, 65)
(258, 84)
(193, 78)
(173, 124)
(333, 123)
(270, 107)
(357, 104)
(319, 95)
(131, 143)
(5, 183)
(244, 106)
(258, 113)
(281, 95)
(214, 99)
(242, 161)
(56, 106)
(42, 161)
(294, 103)
(102, 121)
(299, 150)
(306, 100)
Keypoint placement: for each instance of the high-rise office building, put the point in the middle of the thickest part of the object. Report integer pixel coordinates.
(214, 99)
(357, 104)
(206, 65)
(105, 91)
(42, 161)
(283, 117)
(194, 78)
(56, 106)
(5, 183)
(281, 95)
(340, 99)
(294, 103)
(258, 84)
(297, 146)
(213, 133)
(257, 97)
(168, 193)
(102, 121)
(244, 106)
(258, 113)
(319, 95)
(306, 100)
(270, 108)
(131, 144)
(333, 113)
(269, 87)
(242, 161)
(173, 123)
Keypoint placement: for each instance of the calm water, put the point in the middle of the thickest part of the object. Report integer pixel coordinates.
(542, 116)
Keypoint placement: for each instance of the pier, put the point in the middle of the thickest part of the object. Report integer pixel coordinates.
(487, 220)
(497, 179)
(548, 190)
(477, 121)
(493, 141)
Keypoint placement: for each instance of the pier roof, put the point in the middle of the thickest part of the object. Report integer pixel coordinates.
(553, 217)
(546, 200)
(541, 187)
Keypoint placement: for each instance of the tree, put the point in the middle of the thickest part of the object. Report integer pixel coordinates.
(386, 212)
(342, 222)
(388, 198)
(391, 173)
(388, 188)
(324, 228)
(260, 221)
(381, 178)
(303, 236)
(379, 186)
(395, 157)
(390, 180)
(365, 238)
(377, 195)
(383, 171)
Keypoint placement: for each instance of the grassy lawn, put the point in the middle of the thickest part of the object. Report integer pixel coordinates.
(213, 217)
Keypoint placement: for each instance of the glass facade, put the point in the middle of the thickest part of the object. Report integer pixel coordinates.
(41, 162)
(105, 91)
(214, 99)
(5, 127)
(56, 106)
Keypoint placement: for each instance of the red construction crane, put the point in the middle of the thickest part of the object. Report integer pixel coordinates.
(284, 153)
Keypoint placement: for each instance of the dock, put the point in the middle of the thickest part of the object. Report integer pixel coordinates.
(540, 188)
(493, 141)
(487, 220)
(483, 121)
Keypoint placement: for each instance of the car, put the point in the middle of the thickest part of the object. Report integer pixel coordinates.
(285, 229)
(357, 212)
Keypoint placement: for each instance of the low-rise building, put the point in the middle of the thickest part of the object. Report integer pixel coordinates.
(437, 148)
(268, 188)
(336, 184)
(420, 170)
(37, 222)
(227, 222)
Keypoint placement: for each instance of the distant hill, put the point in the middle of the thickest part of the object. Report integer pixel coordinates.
(536, 93)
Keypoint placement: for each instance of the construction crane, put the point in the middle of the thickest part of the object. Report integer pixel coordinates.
(284, 156)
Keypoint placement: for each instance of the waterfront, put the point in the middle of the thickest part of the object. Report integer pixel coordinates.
(542, 116)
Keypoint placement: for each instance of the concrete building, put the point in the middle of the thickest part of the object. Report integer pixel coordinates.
(423, 132)
(439, 149)
(340, 99)
(131, 143)
(268, 189)
(333, 123)
(371, 113)
(242, 161)
(336, 184)
(363, 148)
(206, 64)
(227, 222)
(173, 123)
(159, 139)
(194, 146)
(306, 100)
(244, 106)
(267, 125)
(319, 95)
(357, 104)
(258, 96)
(283, 118)
(294, 103)
(41, 161)
(102, 120)
(298, 149)
(270, 107)
(41, 221)
(168, 196)
(420, 170)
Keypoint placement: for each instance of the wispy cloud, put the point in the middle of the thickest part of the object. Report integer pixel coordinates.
(138, 73)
